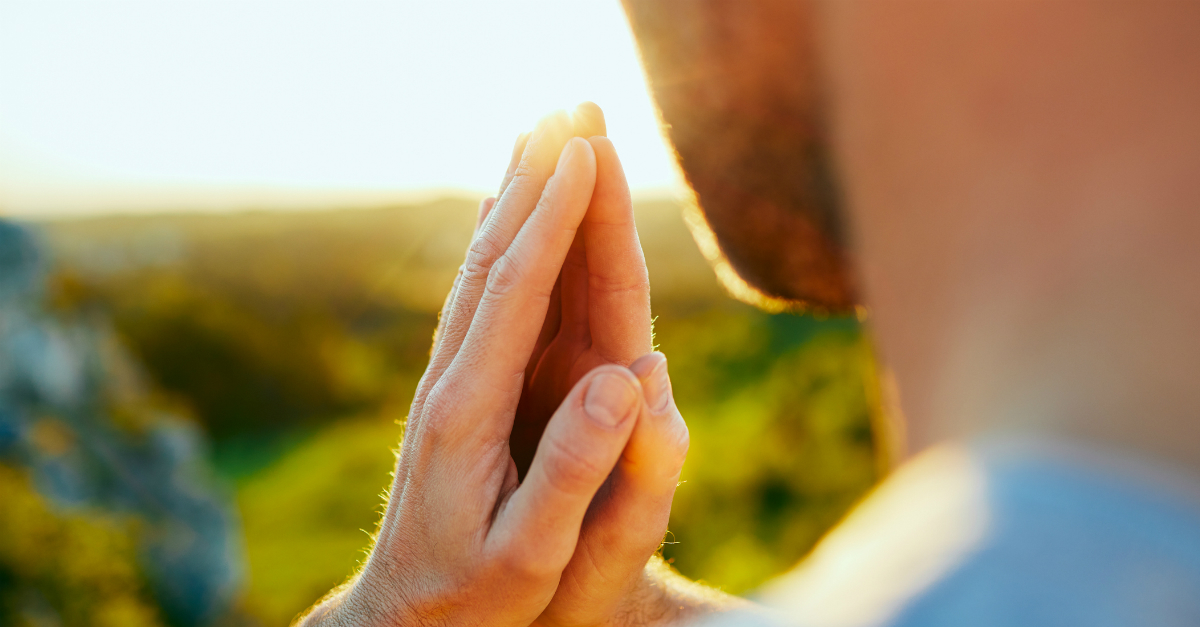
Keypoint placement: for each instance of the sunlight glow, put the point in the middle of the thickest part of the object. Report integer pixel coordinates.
(159, 101)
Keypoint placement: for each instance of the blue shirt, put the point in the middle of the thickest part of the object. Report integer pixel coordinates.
(1006, 533)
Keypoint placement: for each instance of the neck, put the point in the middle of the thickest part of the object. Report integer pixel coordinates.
(1108, 359)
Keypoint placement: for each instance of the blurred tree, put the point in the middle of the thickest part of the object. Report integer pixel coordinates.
(75, 570)
(777, 458)
(73, 412)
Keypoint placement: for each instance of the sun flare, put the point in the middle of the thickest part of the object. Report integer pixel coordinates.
(144, 104)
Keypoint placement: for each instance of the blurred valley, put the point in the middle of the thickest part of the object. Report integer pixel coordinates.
(294, 341)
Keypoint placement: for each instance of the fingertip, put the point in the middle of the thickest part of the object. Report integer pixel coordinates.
(485, 207)
(518, 153)
(519, 145)
(550, 134)
(591, 109)
(519, 149)
(652, 373)
(644, 365)
(544, 147)
(588, 120)
(555, 122)
(609, 165)
(578, 148)
(601, 142)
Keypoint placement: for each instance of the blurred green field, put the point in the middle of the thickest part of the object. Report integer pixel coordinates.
(296, 339)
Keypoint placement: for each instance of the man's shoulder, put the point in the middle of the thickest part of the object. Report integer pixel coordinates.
(1006, 533)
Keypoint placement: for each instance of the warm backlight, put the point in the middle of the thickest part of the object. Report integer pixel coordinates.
(152, 104)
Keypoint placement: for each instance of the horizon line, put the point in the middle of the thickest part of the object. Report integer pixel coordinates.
(86, 202)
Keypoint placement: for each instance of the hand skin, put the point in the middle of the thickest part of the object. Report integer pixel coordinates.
(601, 315)
(545, 337)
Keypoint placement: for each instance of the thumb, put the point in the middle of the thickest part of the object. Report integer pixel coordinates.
(539, 526)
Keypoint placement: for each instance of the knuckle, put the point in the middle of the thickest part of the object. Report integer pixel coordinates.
(428, 380)
(473, 272)
(484, 252)
(626, 282)
(526, 563)
(570, 470)
(524, 176)
(505, 275)
(433, 423)
(475, 268)
(433, 430)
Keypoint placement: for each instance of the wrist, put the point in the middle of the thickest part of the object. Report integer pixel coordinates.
(664, 598)
(356, 603)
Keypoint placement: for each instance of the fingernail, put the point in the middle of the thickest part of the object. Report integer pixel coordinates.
(657, 386)
(609, 399)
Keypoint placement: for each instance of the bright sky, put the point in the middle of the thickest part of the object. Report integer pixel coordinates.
(150, 101)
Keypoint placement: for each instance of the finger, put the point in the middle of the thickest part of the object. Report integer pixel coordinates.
(575, 293)
(514, 161)
(626, 526)
(521, 194)
(485, 206)
(588, 120)
(522, 191)
(532, 412)
(539, 525)
(549, 331)
(568, 341)
(619, 286)
(496, 349)
(654, 458)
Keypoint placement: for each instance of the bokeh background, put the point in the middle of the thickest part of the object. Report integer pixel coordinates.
(293, 342)
(226, 238)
